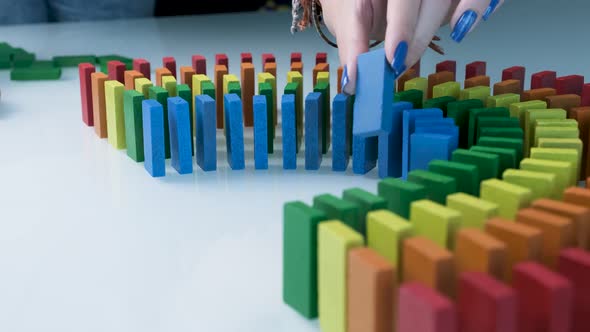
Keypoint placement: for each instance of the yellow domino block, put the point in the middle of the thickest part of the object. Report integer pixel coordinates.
(323, 77)
(564, 143)
(198, 81)
(559, 169)
(227, 79)
(417, 83)
(296, 77)
(517, 110)
(475, 211)
(115, 117)
(530, 118)
(556, 132)
(386, 232)
(555, 154)
(270, 79)
(169, 83)
(503, 100)
(435, 222)
(541, 185)
(143, 85)
(335, 239)
(450, 89)
(477, 92)
(509, 197)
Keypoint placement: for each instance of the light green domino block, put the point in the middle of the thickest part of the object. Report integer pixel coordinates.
(435, 222)
(571, 156)
(386, 232)
(556, 123)
(447, 89)
(559, 169)
(517, 110)
(169, 83)
(475, 211)
(564, 143)
(503, 100)
(556, 132)
(334, 241)
(418, 83)
(477, 92)
(143, 85)
(323, 77)
(366, 202)
(509, 197)
(115, 116)
(532, 115)
(542, 185)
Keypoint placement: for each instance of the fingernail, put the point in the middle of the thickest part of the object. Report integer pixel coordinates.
(490, 9)
(463, 25)
(344, 81)
(399, 59)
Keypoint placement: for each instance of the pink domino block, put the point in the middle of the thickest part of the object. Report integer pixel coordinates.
(116, 70)
(246, 57)
(571, 84)
(574, 264)
(296, 57)
(586, 95)
(515, 73)
(449, 65)
(222, 59)
(142, 66)
(321, 58)
(268, 57)
(543, 79)
(170, 63)
(421, 309)
(544, 298)
(485, 304)
(199, 64)
(85, 70)
(477, 68)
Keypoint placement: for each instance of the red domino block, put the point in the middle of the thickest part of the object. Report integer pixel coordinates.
(199, 64)
(572, 84)
(223, 60)
(321, 58)
(586, 95)
(449, 65)
(422, 309)
(543, 79)
(477, 68)
(545, 299)
(268, 57)
(296, 57)
(170, 63)
(85, 70)
(515, 73)
(246, 57)
(142, 66)
(116, 71)
(485, 304)
(574, 265)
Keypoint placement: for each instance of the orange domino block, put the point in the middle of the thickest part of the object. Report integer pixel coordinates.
(523, 243)
(130, 76)
(476, 251)
(247, 77)
(186, 75)
(508, 86)
(481, 80)
(588, 183)
(319, 68)
(220, 71)
(578, 215)
(339, 85)
(566, 102)
(271, 67)
(99, 115)
(557, 232)
(576, 195)
(537, 94)
(297, 66)
(371, 288)
(162, 72)
(426, 262)
(582, 115)
(408, 75)
(439, 78)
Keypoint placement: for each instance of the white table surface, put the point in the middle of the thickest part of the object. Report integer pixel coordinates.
(89, 242)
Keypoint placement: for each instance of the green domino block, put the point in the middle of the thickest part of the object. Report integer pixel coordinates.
(435, 222)
(324, 89)
(366, 202)
(509, 197)
(5, 62)
(160, 94)
(466, 176)
(447, 89)
(418, 83)
(184, 92)
(570, 156)
(477, 92)
(293, 88)
(459, 111)
(133, 124)
(476, 113)
(23, 59)
(559, 169)
(542, 185)
(35, 74)
(507, 157)
(339, 209)
(399, 194)
(497, 122)
(300, 258)
(413, 96)
(386, 232)
(438, 186)
(564, 143)
(43, 64)
(517, 133)
(208, 88)
(503, 100)
(335, 239)
(556, 132)
(234, 87)
(488, 164)
(169, 83)
(104, 60)
(531, 116)
(517, 110)
(475, 211)
(265, 89)
(441, 102)
(556, 123)
(507, 143)
(73, 60)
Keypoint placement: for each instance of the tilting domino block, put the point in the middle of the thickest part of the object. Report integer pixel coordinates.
(390, 142)
(425, 262)
(142, 66)
(579, 216)
(132, 108)
(205, 123)
(170, 63)
(541, 184)
(116, 70)
(289, 132)
(476, 251)
(475, 212)
(509, 197)
(161, 95)
(180, 135)
(339, 209)
(260, 122)
(199, 63)
(400, 194)
(574, 265)
(85, 71)
(115, 116)
(435, 222)
(99, 112)
(386, 232)
(422, 309)
(153, 137)
(234, 131)
(341, 132)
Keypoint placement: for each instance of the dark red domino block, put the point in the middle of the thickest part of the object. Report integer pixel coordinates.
(321, 58)
(477, 68)
(416, 67)
(586, 95)
(296, 57)
(422, 309)
(170, 63)
(572, 84)
(574, 264)
(246, 57)
(142, 66)
(543, 79)
(545, 299)
(268, 57)
(116, 71)
(222, 59)
(199, 64)
(85, 70)
(485, 304)
(449, 65)
(515, 73)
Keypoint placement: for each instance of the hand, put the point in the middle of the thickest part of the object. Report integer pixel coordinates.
(406, 26)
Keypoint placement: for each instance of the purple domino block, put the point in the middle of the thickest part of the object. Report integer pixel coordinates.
(390, 141)
(408, 126)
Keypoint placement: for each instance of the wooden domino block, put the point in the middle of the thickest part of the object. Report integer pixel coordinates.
(537, 94)
(560, 171)
(130, 77)
(508, 86)
(313, 131)
(507, 157)
(339, 81)
(271, 68)
(435, 222)
(341, 132)
(98, 104)
(401, 81)
(586, 95)
(530, 118)
(222, 60)
(271, 79)
(160, 72)
(364, 153)
(475, 114)
(114, 112)
(132, 108)
(365, 202)
(515, 73)
(448, 65)
(199, 63)
(386, 232)
(169, 83)
(296, 57)
(476, 251)
(248, 90)
(184, 91)
(574, 265)
(466, 176)
(321, 57)
(544, 79)
(400, 194)
(502, 100)
(477, 68)
(206, 141)
(556, 154)
(582, 116)
(339, 209)
(439, 78)
(289, 131)
(439, 186)
(517, 110)
(293, 88)
(186, 75)
(409, 118)
(261, 137)
(390, 144)
(170, 63)
(572, 84)
(423, 309)
(479, 92)
(220, 71)
(488, 165)
(297, 66)
(448, 89)
(427, 147)
(428, 263)
(116, 70)
(540, 184)
(246, 57)
(143, 85)
(324, 89)
(319, 68)
(85, 71)
(481, 80)
(142, 66)
(579, 216)
(268, 58)
(510, 198)
(265, 89)
(566, 102)
(161, 95)
(578, 196)
(296, 77)
(234, 131)
(180, 135)
(475, 212)
(459, 111)
(153, 137)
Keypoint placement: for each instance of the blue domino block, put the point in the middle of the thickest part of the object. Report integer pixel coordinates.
(289, 132)
(452, 131)
(427, 147)
(180, 135)
(444, 122)
(364, 153)
(153, 137)
(205, 129)
(234, 131)
(408, 125)
(260, 132)
(313, 131)
(390, 141)
(341, 124)
(374, 93)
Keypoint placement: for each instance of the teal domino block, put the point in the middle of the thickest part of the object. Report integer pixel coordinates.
(399, 194)
(466, 175)
(507, 157)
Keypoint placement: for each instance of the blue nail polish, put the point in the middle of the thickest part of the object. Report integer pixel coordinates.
(344, 81)
(490, 10)
(399, 58)
(463, 25)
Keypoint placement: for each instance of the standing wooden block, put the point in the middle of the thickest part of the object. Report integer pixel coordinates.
(449, 65)
(296, 77)
(268, 58)
(116, 70)
(313, 131)
(161, 95)
(153, 137)
(180, 135)
(169, 83)
(339, 209)
(475, 212)
(364, 153)
(199, 63)
(472, 82)
(85, 71)
(234, 131)
(320, 67)
(578, 215)
(476, 251)
(399, 194)
(477, 68)
(559, 154)
(390, 143)
(271, 68)
(544, 79)
(271, 79)
(586, 95)
(422, 309)
(545, 299)
(142, 66)
(515, 73)
(170, 63)
(115, 116)
(537, 94)
(439, 186)
(582, 116)
(425, 262)
(296, 57)
(334, 241)
(572, 84)
(98, 104)
(324, 89)
(289, 131)
(417, 67)
(205, 123)
(540, 184)
(246, 57)
(567, 102)
(220, 71)
(297, 66)
(485, 304)
(247, 77)
(160, 72)
(560, 170)
(339, 82)
(261, 136)
(321, 57)
(143, 85)
(401, 81)
(386, 232)
(508, 86)
(371, 287)
(265, 89)
(294, 89)
(509, 197)
(186, 75)
(133, 124)
(184, 91)
(130, 77)
(222, 60)
(574, 265)
(439, 78)
(578, 196)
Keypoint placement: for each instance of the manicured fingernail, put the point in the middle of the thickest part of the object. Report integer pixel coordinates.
(490, 10)
(344, 81)
(399, 59)
(463, 25)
